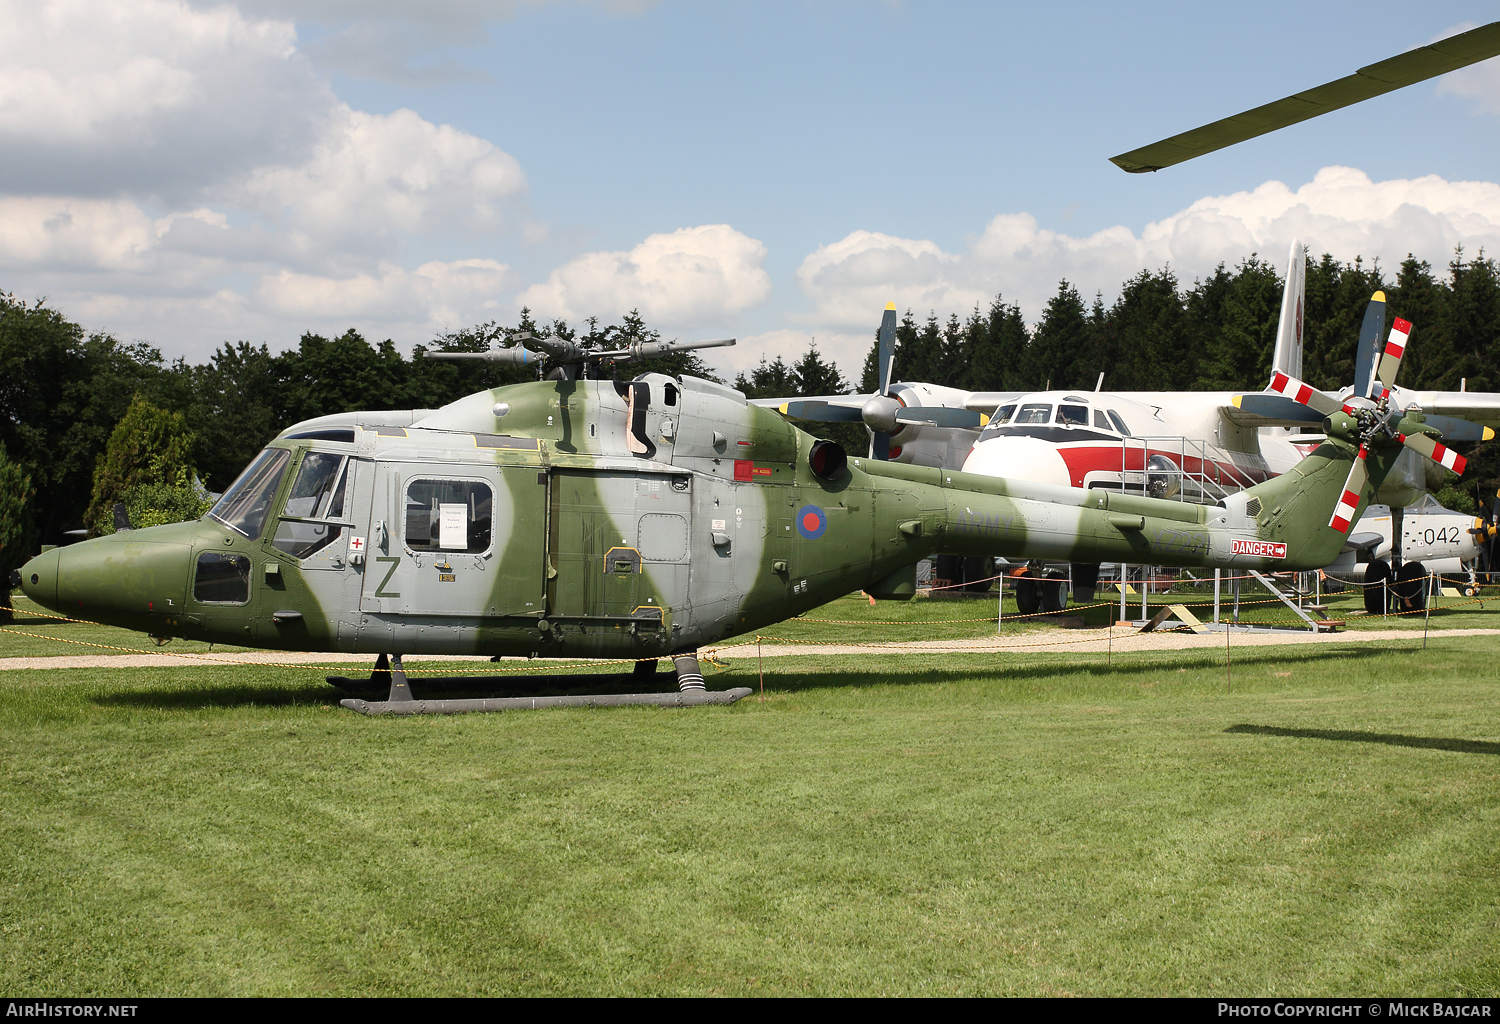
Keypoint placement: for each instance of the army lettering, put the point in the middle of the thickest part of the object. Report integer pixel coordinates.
(1264, 548)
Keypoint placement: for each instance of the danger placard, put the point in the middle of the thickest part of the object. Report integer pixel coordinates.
(1263, 548)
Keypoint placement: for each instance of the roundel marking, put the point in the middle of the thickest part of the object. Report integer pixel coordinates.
(812, 522)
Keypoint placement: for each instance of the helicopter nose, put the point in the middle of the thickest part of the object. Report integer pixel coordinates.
(1019, 458)
(38, 578)
(115, 579)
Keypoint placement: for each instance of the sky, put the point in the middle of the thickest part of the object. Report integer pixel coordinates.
(193, 173)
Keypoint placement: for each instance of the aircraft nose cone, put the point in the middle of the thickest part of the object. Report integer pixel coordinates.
(879, 413)
(1019, 458)
(117, 579)
(39, 578)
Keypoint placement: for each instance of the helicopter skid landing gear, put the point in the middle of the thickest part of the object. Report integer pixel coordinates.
(691, 693)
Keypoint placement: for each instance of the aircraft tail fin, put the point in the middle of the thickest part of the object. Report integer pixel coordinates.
(1288, 355)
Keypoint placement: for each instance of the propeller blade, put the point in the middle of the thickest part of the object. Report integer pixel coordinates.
(1314, 399)
(1368, 353)
(822, 412)
(1354, 489)
(943, 417)
(1276, 407)
(880, 446)
(1455, 429)
(886, 350)
(1390, 359)
(1445, 457)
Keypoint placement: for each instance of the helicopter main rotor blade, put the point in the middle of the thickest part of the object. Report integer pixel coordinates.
(1354, 489)
(885, 354)
(1368, 82)
(1446, 457)
(1390, 359)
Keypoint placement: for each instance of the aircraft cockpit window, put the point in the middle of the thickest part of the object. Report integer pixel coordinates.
(1002, 415)
(1119, 423)
(448, 515)
(317, 493)
(1073, 415)
(247, 504)
(1100, 421)
(1034, 413)
(222, 578)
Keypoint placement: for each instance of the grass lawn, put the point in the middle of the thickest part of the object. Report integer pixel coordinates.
(1033, 824)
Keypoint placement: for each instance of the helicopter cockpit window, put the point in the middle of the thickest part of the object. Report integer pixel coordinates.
(1119, 423)
(247, 503)
(1100, 421)
(1034, 413)
(222, 578)
(317, 494)
(448, 515)
(1073, 415)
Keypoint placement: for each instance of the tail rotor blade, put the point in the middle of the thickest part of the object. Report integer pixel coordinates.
(886, 352)
(1390, 359)
(1354, 489)
(1314, 399)
(1442, 455)
(1368, 353)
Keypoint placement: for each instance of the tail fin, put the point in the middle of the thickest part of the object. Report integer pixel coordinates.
(1288, 355)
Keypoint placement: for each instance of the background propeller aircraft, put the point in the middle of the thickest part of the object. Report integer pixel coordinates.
(630, 519)
(1198, 445)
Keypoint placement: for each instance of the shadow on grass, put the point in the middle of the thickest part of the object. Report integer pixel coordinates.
(1125, 669)
(1389, 739)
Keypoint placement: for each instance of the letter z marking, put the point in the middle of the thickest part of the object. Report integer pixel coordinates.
(395, 561)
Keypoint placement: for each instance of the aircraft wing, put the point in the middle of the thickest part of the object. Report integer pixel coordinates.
(1361, 541)
(1482, 407)
(989, 401)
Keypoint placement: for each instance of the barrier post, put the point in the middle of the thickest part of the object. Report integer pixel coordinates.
(1218, 575)
(1426, 610)
(1124, 578)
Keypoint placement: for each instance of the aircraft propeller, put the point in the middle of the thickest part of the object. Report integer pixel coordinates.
(1366, 417)
(883, 413)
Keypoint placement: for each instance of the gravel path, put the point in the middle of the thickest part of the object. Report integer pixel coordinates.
(1082, 641)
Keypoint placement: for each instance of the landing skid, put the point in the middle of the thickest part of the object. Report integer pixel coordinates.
(389, 672)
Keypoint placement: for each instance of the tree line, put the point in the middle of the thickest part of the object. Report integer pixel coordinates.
(87, 420)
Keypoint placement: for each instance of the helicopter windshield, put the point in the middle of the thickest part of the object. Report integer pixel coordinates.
(246, 504)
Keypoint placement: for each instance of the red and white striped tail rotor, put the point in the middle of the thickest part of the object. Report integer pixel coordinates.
(1354, 488)
(1441, 454)
(1390, 359)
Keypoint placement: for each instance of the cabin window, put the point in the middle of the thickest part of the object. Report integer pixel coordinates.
(1100, 421)
(1073, 415)
(222, 578)
(448, 515)
(318, 493)
(1119, 423)
(1034, 413)
(1002, 415)
(247, 504)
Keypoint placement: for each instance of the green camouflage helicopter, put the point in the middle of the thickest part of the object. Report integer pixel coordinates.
(575, 517)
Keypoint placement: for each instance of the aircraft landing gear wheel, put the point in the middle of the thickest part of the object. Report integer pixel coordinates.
(1376, 575)
(977, 573)
(1028, 595)
(1411, 586)
(1054, 593)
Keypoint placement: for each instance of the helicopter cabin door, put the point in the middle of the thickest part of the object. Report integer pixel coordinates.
(620, 545)
(457, 540)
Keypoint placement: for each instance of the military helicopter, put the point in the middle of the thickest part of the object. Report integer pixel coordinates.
(632, 519)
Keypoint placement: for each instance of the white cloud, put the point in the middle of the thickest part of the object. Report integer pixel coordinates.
(384, 175)
(181, 173)
(151, 98)
(1341, 211)
(691, 277)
